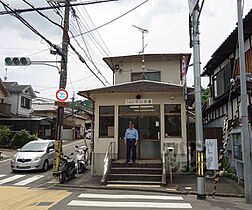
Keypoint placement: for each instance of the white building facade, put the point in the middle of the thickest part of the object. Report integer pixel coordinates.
(152, 97)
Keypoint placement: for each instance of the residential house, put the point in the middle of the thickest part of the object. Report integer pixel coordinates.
(46, 109)
(20, 107)
(20, 98)
(223, 72)
(151, 95)
(4, 107)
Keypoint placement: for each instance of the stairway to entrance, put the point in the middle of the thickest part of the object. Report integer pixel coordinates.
(141, 172)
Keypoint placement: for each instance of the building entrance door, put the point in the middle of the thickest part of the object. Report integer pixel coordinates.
(147, 121)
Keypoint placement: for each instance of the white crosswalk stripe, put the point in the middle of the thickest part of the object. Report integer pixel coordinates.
(9, 179)
(133, 201)
(19, 180)
(29, 180)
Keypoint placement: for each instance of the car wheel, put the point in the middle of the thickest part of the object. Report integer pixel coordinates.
(45, 166)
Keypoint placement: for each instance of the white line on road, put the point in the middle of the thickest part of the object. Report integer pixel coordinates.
(5, 160)
(11, 179)
(152, 197)
(2, 175)
(29, 180)
(130, 204)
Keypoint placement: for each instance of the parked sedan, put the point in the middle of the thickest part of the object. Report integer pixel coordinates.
(35, 155)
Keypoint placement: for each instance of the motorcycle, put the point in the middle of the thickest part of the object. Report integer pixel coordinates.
(67, 168)
(82, 158)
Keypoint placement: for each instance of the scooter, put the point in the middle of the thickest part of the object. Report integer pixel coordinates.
(82, 158)
(67, 168)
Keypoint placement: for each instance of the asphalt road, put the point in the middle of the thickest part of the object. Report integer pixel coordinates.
(33, 179)
(91, 199)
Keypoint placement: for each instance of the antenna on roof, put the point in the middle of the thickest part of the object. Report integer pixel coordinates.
(143, 31)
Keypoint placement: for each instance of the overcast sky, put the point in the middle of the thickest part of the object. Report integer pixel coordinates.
(166, 21)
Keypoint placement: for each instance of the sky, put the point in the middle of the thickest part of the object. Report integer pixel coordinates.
(165, 20)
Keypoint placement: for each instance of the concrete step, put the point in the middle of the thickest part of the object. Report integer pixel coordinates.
(136, 182)
(136, 165)
(135, 177)
(132, 170)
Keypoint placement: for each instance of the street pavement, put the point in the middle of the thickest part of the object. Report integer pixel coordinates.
(86, 191)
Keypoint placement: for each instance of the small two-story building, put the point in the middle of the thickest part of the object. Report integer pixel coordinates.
(152, 97)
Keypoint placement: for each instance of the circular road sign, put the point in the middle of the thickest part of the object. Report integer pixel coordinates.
(61, 94)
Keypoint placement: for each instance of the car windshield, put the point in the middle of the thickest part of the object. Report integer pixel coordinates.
(34, 147)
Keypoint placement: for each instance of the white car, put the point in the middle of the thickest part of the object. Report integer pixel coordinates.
(35, 155)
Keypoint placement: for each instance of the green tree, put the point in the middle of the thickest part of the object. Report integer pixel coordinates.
(21, 138)
(5, 135)
(205, 94)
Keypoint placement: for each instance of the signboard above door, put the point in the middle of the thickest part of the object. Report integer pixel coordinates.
(138, 101)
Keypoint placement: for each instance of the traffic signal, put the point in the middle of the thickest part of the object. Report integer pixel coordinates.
(17, 61)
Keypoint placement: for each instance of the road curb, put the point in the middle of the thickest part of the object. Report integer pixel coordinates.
(162, 190)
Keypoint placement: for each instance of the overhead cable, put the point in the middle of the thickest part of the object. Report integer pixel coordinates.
(112, 19)
(48, 8)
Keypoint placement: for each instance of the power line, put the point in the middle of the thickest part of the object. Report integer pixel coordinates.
(35, 31)
(21, 19)
(112, 19)
(19, 11)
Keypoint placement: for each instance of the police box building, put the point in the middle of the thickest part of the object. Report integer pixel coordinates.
(152, 96)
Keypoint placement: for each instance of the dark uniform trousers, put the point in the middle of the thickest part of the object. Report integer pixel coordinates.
(131, 147)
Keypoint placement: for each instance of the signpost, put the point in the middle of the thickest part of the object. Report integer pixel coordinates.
(211, 154)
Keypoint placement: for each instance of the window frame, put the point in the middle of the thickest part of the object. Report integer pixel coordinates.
(25, 102)
(106, 115)
(146, 74)
(173, 114)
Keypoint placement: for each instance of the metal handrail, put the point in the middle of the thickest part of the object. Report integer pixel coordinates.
(110, 155)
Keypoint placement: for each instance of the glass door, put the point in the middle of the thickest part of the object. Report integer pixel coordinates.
(149, 136)
(147, 122)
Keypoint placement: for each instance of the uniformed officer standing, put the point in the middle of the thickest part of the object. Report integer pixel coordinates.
(131, 139)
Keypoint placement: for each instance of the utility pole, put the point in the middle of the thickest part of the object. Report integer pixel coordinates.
(245, 137)
(62, 85)
(195, 14)
(73, 123)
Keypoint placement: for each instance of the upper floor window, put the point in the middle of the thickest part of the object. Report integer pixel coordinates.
(154, 76)
(106, 121)
(25, 102)
(221, 80)
(173, 120)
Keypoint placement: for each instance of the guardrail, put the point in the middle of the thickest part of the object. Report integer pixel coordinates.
(110, 155)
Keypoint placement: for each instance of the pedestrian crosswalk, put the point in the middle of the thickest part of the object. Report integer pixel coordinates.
(18, 180)
(129, 201)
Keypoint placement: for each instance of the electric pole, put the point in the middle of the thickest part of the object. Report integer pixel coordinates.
(195, 14)
(62, 85)
(245, 137)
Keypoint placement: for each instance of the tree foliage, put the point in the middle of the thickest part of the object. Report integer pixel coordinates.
(5, 135)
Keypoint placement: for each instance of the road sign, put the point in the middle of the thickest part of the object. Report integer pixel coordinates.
(61, 103)
(211, 154)
(61, 94)
(192, 4)
(58, 151)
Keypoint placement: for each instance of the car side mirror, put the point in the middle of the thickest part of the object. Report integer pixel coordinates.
(50, 150)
